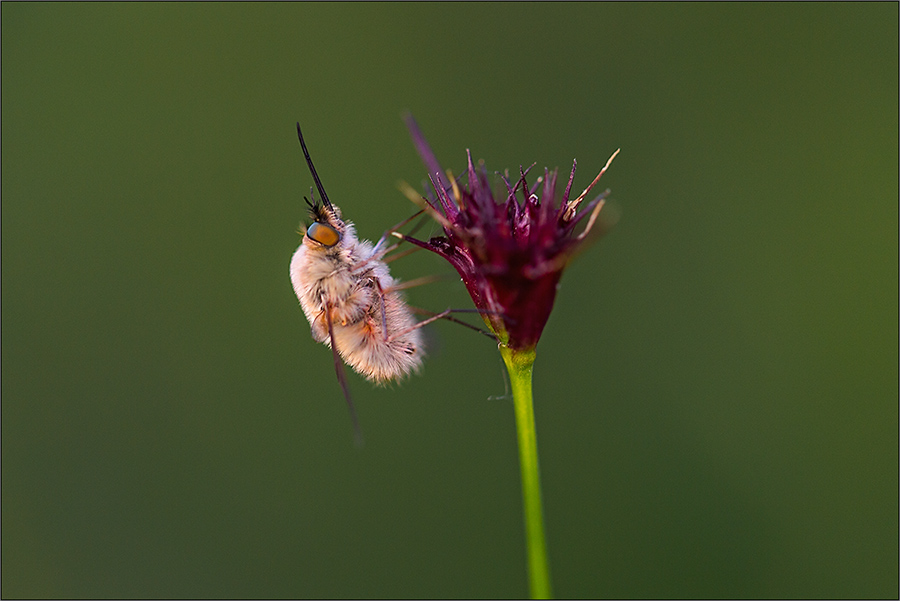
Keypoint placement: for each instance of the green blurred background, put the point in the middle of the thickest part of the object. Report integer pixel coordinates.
(716, 391)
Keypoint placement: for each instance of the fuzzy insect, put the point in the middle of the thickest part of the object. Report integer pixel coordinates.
(351, 301)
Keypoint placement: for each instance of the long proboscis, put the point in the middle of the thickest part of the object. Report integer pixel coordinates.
(312, 169)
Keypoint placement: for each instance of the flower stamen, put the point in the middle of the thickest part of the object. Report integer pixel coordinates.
(423, 204)
(572, 206)
(591, 220)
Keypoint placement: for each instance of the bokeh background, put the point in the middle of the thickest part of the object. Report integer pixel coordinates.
(716, 390)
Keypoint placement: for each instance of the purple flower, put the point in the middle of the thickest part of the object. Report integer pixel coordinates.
(510, 254)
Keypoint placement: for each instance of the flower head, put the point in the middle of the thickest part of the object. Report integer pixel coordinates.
(510, 254)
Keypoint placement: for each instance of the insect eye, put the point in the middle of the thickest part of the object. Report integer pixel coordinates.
(323, 233)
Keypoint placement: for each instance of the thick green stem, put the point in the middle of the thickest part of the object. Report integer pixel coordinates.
(519, 364)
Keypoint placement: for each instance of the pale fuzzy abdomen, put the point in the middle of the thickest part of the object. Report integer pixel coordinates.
(357, 298)
(378, 355)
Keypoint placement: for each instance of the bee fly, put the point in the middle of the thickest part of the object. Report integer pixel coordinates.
(350, 299)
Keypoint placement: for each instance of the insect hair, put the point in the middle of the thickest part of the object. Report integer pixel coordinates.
(350, 299)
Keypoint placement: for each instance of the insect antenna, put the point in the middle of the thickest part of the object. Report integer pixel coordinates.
(342, 378)
(312, 169)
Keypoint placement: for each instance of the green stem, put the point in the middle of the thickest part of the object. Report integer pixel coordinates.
(519, 364)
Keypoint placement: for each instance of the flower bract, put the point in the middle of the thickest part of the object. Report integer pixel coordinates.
(509, 250)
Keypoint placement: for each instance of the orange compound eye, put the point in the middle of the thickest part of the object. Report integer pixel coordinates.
(323, 233)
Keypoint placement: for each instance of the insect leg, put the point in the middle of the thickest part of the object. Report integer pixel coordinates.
(379, 250)
(380, 255)
(444, 315)
(380, 292)
(384, 331)
(386, 234)
(342, 377)
(426, 279)
(422, 323)
(399, 255)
